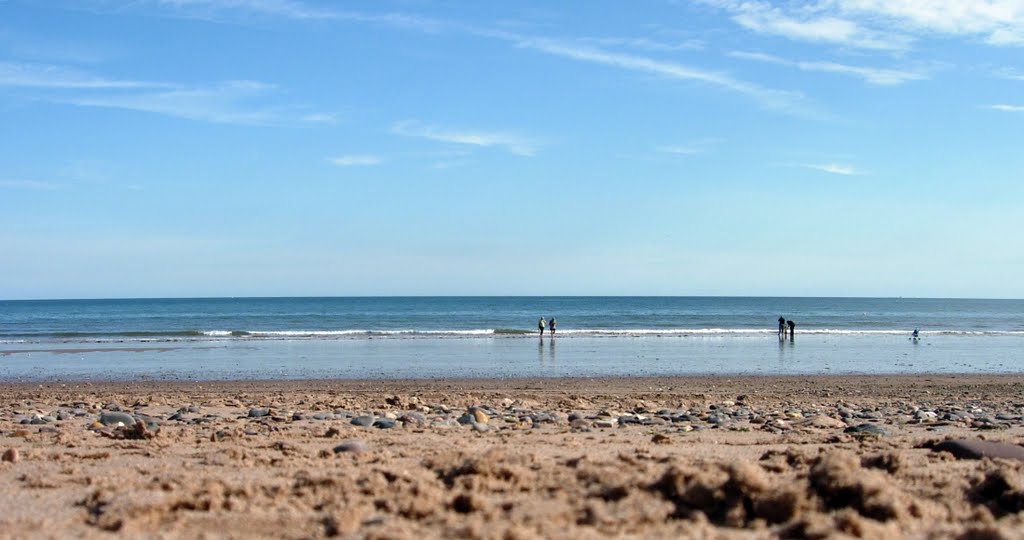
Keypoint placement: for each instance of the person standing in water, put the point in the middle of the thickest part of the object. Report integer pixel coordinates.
(540, 326)
(551, 327)
(782, 328)
(792, 329)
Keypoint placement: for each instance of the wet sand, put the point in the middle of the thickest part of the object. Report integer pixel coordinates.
(712, 457)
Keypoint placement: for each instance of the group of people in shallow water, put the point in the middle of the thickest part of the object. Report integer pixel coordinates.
(550, 325)
(783, 325)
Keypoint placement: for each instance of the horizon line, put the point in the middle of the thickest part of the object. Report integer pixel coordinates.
(282, 297)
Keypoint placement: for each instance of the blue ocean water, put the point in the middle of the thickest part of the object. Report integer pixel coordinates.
(417, 337)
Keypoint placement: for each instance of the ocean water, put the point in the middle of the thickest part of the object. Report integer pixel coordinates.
(438, 337)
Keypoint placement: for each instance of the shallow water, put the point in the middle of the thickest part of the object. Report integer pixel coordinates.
(519, 356)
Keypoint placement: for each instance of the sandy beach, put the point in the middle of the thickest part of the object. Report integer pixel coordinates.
(700, 457)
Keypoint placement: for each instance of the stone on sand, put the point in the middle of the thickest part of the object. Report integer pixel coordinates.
(979, 449)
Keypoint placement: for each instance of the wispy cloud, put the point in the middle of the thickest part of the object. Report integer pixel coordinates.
(645, 44)
(688, 149)
(1000, 22)
(1006, 108)
(775, 99)
(283, 8)
(234, 102)
(230, 102)
(320, 118)
(29, 184)
(356, 160)
(880, 24)
(513, 143)
(220, 103)
(680, 150)
(807, 21)
(875, 76)
(1009, 73)
(50, 76)
(242, 10)
(832, 168)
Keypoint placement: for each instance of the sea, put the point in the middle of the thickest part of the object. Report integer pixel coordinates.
(497, 337)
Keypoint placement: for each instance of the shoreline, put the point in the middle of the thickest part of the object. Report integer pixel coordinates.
(607, 382)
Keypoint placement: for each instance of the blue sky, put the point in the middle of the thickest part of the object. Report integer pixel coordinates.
(716, 147)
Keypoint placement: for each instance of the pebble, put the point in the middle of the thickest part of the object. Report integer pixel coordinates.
(354, 446)
(384, 423)
(479, 416)
(824, 422)
(413, 417)
(11, 455)
(867, 429)
(113, 419)
(258, 412)
(579, 424)
(629, 419)
(364, 421)
(978, 449)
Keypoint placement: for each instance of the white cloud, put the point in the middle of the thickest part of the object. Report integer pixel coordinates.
(513, 143)
(832, 168)
(282, 8)
(996, 18)
(236, 10)
(689, 149)
(881, 24)
(320, 118)
(1008, 73)
(775, 99)
(1007, 108)
(49, 76)
(680, 150)
(808, 22)
(1006, 37)
(227, 102)
(759, 57)
(876, 76)
(218, 103)
(224, 102)
(646, 44)
(356, 160)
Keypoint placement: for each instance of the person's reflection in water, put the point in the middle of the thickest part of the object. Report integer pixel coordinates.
(540, 353)
(552, 351)
(785, 352)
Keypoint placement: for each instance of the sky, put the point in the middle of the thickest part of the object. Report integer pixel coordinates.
(192, 148)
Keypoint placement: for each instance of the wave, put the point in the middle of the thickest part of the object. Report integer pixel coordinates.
(224, 335)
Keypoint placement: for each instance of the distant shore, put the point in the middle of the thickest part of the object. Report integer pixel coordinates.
(734, 457)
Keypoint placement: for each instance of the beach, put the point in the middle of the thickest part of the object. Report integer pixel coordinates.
(704, 456)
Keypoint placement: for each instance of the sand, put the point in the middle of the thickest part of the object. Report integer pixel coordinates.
(705, 457)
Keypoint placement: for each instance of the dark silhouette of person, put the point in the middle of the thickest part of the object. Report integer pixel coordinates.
(792, 328)
(551, 326)
(782, 328)
(540, 326)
